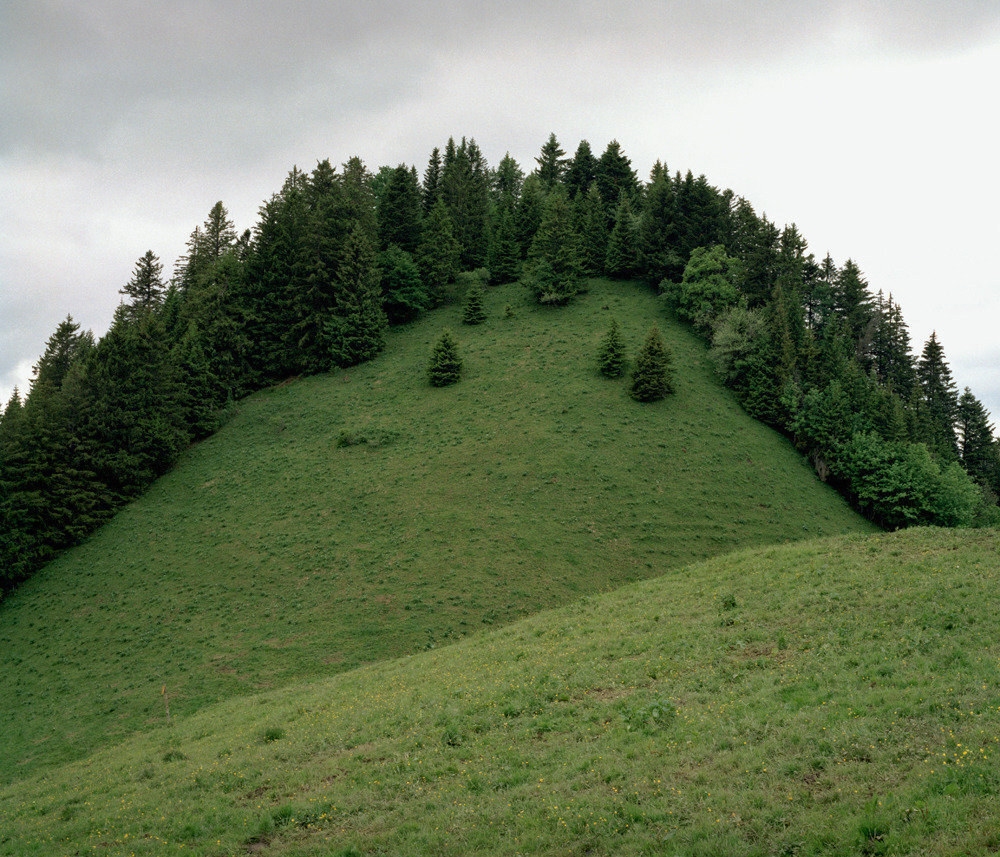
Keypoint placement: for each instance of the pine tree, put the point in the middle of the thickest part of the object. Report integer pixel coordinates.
(659, 240)
(399, 211)
(940, 400)
(554, 269)
(507, 182)
(580, 171)
(504, 259)
(623, 259)
(611, 354)
(445, 365)
(651, 376)
(977, 445)
(614, 176)
(438, 255)
(404, 295)
(551, 163)
(593, 232)
(474, 312)
(431, 188)
(146, 287)
(357, 329)
(529, 212)
(852, 300)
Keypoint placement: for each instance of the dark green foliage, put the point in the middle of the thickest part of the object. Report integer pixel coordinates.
(614, 176)
(504, 259)
(465, 190)
(593, 230)
(623, 259)
(507, 182)
(430, 191)
(474, 312)
(554, 269)
(529, 212)
(445, 365)
(438, 256)
(611, 360)
(581, 171)
(852, 301)
(939, 401)
(977, 446)
(652, 377)
(551, 163)
(357, 329)
(404, 295)
(399, 211)
(659, 236)
(146, 286)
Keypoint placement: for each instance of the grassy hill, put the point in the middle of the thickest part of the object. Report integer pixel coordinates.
(275, 554)
(835, 696)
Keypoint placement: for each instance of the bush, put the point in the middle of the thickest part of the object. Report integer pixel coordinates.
(445, 365)
(474, 312)
(706, 290)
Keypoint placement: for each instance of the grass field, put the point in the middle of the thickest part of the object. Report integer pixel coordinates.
(272, 555)
(833, 697)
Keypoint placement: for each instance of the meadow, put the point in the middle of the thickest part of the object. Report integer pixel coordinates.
(358, 516)
(832, 697)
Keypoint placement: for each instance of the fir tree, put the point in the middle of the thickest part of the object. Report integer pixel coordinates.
(431, 188)
(623, 259)
(357, 330)
(146, 287)
(593, 232)
(404, 295)
(399, 211)
(580, 171)
(219, 232)
(651, 376)
(474, 312)
(507, 182)
(504, 259)
(554, 269)
(977, 445)
(852, 300)
(614, 176)
(611, 354)
(438, 255)
(529, 212)
(445, 365)
(940, 400)
(551, 163)
(659, 239)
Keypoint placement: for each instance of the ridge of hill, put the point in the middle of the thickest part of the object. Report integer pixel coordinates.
(362, 515)
(830, 697)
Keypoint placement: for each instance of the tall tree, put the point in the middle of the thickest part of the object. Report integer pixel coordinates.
(581, 170)
(551, 163)
(652, 377)
(659, 238)
(399, 211)
(614, 176)
(977, 445)
(439, 253)
(507, 182)
(940, 400)
(146, 287)
(554, 269)
(593, 229)
(623, 259)
(357, 329)
(431, 188)
(504, 259)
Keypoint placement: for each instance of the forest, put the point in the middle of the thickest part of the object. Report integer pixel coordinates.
(339, 254)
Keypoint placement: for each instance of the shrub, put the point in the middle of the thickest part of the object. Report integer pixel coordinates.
(445, 365)
(611, 354)
(474, 312)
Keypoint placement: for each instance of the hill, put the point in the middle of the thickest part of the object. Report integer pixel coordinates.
(830, 697)
(363, 515)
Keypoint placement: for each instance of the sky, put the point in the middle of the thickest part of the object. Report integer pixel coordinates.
(871, 124)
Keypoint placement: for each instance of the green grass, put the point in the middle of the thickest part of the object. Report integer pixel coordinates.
(833, 697)
(362, 515)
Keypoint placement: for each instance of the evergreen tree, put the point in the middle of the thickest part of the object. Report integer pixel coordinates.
(614, 176)
(358, 205)
(551, 163)
(474, 312)
(146, 287)
(357, 329)
(431, 189)
(623, 259)
(707, 288)
(852, 301)
(465, 187)
(611, 359)
(504, 259)
(651, 376)
(658, 234)
(507, 182)
(529, 212)
(399, 211)
(977, 445)
(554, 269)
(438, 255)
(445, 365)
(581, 170)
(593, 230)
(404, 295)
(940, 400)
(219, 232)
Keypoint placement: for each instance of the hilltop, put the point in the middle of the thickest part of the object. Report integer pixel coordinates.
(361, 515)
(829, 697)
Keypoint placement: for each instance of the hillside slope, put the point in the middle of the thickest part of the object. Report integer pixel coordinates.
(836, 696)
(271, 555)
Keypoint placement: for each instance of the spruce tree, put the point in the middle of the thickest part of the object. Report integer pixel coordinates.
(940, 400)
(611, 354)
(977, 446)
(580, 171)
(146, 287)
(651, 375)
(438, 254)
(504, 259)
(659, 238)
(431, 188)
(474, 312)
(507, 181)
(528, 216)
(404, 295)
(357, 329)
(554, 269)
(593, 233)
(623, 258)
(551, 163)
(399, 211)
(614, 176)
(445, 365)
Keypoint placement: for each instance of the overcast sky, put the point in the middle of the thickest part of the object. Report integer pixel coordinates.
(872, 125)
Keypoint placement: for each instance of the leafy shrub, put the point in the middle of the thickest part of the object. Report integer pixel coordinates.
(272, 733)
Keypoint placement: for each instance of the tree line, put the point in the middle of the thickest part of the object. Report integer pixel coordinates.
(340, 253)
